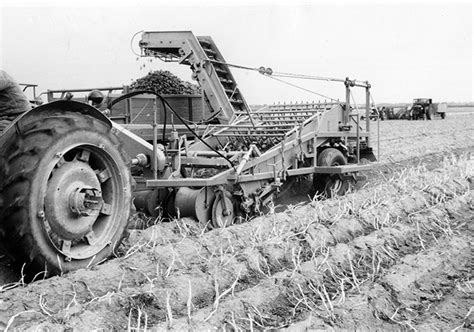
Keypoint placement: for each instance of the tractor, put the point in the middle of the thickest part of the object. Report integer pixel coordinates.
(69, 175)
(424, 108)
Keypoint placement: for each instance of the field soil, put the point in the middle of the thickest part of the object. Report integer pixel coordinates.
(394, 253)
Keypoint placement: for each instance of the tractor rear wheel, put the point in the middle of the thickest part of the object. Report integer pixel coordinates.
(67, 192)
(330, 185)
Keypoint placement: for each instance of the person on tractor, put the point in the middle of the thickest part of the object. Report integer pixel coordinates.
(13, 101)
(96, 99)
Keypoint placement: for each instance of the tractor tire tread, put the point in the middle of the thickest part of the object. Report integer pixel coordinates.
(29, 143)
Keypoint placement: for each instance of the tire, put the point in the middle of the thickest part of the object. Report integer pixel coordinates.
(5, 121)
(443, 115)
(66, 191)
(220, 217)
(330, 185)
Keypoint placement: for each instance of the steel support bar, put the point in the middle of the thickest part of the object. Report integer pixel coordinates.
(201, 162)
(343, 168)
(346, 134)
(300, 171)
(249, 134)
(189, 182)
(367, 112)
(358, 137)
(253, 177)
(257, 130)
(251, 127)
(223, 178)
(291, 110)
(211, 153)
(86, 90)
(347, 108)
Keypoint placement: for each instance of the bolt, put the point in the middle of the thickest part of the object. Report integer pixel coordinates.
(59, 155)
(102, 146)
(40, 214)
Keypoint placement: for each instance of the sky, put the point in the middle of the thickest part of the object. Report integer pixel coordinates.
(404, 49)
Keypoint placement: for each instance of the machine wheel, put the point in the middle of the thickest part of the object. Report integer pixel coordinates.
(287, 185)
(67, 192)
(443, 115)
(330, 185)
(223, 214)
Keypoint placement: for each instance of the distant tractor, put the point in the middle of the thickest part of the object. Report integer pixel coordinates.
(424, 108)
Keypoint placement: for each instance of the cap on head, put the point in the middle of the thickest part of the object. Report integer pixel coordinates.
(95, 96)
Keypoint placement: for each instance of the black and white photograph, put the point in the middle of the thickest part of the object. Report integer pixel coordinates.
(236, 165)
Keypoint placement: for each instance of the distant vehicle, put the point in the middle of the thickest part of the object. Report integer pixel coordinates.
(424, 108)
(374, 114)
(393, 112)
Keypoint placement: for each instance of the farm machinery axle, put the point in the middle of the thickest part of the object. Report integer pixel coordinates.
(67, 171)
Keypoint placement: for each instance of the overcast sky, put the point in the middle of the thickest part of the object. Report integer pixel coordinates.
(405, 50)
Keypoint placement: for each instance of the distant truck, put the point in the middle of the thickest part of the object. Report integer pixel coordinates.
(424, 108)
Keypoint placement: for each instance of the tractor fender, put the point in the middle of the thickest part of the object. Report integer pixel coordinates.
(60, 105)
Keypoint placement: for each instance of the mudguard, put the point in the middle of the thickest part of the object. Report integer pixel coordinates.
(69, 105)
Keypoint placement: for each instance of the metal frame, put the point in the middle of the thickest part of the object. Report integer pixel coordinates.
(296, 132)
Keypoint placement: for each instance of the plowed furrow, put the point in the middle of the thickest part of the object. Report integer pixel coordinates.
(303, 260)
(323, 285)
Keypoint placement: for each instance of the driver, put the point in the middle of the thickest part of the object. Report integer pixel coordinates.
(13, 101)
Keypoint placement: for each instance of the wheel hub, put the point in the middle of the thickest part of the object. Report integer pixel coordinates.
(83, 201)
(222, 212)
(73, 200)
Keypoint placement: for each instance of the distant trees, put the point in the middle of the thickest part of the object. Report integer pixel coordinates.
(164, 82)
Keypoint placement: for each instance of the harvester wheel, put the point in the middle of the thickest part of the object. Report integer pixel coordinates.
(223, 211)
(330, 185)
(67, 192)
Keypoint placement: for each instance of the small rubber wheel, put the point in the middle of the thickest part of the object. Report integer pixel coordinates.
(330, 185)
(223, 211)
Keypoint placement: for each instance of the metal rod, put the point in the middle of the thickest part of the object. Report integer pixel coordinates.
(367, 113)
(358, 137)
(348, 103)
(209, 153)
(252, 134)
(155, 139)
(290, 110)
(250, 131)
(257, 130)
(244, 160)
(85, 90)
(250, 126)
